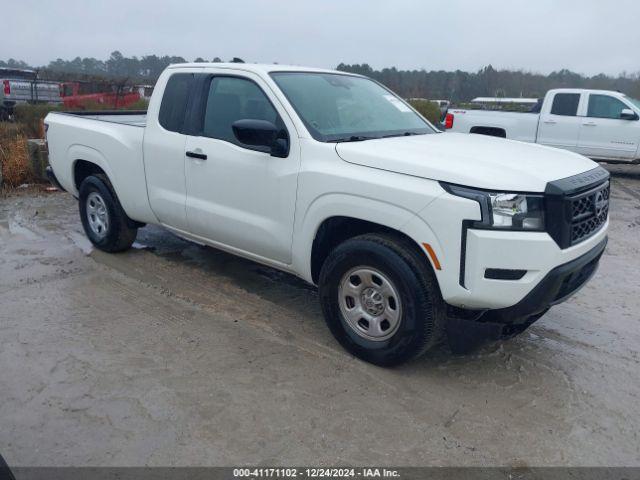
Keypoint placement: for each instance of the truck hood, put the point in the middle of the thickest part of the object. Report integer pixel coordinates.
(472, 160)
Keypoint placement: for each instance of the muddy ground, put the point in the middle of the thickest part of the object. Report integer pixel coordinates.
(176, 354)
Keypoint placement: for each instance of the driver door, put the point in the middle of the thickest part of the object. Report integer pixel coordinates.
(603, 134)
(238, 196)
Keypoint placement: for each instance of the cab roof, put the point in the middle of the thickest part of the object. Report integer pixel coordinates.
(255, 67)
(586, 90)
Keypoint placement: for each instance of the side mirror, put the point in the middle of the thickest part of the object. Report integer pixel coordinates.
(628, 114)
(261, 133)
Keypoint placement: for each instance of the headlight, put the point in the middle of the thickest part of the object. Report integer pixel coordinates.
(503, 210)
(517, 211)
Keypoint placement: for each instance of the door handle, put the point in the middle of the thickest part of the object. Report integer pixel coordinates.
(550, 122)
(199, 156)
(590, 124)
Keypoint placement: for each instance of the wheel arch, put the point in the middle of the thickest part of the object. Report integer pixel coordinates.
(337, 229)
(333, 213)
(83, 169)
(376, 215)
(85, 161)
(489, 131)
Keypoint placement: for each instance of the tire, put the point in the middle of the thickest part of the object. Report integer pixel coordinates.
(5, 471)
(99, 206)
(419, 307)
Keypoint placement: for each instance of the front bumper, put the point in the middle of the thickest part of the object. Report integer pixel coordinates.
(466, 329)
(557, 286)
(535, 254)
(485, 268)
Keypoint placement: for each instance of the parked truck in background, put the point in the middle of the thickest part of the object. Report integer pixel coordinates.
(18, 86)
(410, 234)
(600, 124)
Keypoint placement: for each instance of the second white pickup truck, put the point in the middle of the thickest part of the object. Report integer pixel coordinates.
(410, 234)
(599, 124)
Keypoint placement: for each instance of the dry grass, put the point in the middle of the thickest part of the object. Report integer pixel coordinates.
(14, 156)
(429, 110)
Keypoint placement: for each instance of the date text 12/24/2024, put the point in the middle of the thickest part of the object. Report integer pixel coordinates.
(364, 472)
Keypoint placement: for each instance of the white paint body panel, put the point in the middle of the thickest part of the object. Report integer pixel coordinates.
(114, 147)
(472, 160)
(269, 209)
(518, 125)
(244, 198)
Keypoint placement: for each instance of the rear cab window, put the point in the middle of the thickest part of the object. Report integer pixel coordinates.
(174, 101)
(565, 104)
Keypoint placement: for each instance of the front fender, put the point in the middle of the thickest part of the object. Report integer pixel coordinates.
(361, 208)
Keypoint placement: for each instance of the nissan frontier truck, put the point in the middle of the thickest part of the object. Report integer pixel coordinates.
(412, 236)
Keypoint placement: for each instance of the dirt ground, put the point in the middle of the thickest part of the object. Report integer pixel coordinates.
(176, 354)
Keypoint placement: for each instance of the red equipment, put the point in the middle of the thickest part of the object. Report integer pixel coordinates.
(83, 94)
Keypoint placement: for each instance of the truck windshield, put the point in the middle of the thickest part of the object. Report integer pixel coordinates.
(338, 108)
(635, 101)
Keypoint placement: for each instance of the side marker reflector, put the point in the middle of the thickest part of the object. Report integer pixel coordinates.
(432, 254)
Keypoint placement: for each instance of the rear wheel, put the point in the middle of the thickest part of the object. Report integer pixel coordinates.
(5, 115)
(103, 218)
(381, 300)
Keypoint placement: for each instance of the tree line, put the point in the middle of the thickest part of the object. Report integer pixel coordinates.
(145, 69)
(458, 86)
(462, 86)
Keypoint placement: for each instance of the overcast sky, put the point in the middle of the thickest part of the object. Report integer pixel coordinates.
(587, 36)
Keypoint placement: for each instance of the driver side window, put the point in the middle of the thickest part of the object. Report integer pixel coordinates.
(231, 99)
(604, 106)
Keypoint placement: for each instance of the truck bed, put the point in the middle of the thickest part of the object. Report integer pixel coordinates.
(136, 118)
(522, 126)
(111, 140)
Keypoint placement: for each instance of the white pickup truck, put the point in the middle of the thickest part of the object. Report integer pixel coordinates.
(409, 233)
(599, 124)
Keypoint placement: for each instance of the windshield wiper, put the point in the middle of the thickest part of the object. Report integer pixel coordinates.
(353, 138)
(403, 134)
(360, 138)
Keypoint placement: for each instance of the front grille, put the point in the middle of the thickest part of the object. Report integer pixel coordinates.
(589, 212)
(577, 207)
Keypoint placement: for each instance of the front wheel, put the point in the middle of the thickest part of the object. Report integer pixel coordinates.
(381, 300)
(103, 218)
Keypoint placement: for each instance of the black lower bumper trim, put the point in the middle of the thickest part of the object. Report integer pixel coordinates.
(558, 285)
(52, 178)
(465, 334)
